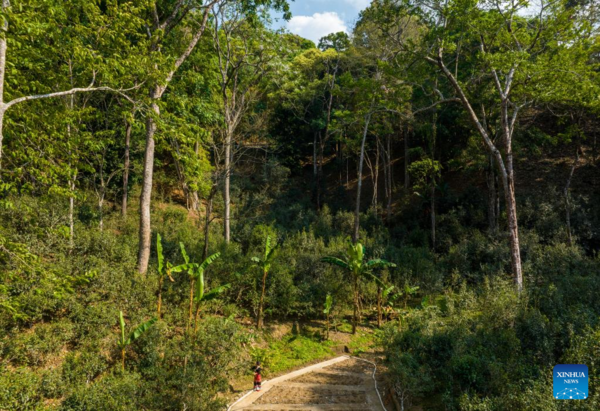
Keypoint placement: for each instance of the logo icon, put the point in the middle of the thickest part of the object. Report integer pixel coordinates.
(570, 381)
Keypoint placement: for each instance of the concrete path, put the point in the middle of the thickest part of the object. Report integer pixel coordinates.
(340, 384)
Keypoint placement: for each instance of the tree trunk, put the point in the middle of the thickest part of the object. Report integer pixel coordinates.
(315, 172)
(339, 157)
(433, 215)
(492, 195)
(226, 189)
(2, 111)
(567, 198)
(146, 195)
(388, 155)
(100, 209)
(191, 308)
(72, 182)
(359, 179)
(498, 200)
(194, 195)
(376, 179)
(207, 220)
(511, 202)
(159, 297)
(385, 179)
(433, 180)
(320, 160)
(406, 159)
(3, 46)
(513, 227)
(126, 169)
(72, 211)
(355, 317)
(181, 174)
(259, 320)
(379, 302)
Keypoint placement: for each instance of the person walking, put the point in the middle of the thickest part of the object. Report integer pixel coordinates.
(257, 379)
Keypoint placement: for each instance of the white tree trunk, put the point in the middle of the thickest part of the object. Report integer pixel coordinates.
(513, 226)
(126, 170)
(5, 5)
(505, 167)
(2, 111)
(359, 178)
(145, 234)
(71, 212)
(227, 190)
(100, 209)
(568, 199)
(376, 179)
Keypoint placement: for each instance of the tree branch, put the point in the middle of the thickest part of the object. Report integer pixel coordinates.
(191, 45)
(72, 91)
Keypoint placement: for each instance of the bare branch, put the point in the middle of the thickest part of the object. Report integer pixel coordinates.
(72, 91)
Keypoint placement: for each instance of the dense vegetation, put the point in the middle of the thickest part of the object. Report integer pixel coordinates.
(177, 178)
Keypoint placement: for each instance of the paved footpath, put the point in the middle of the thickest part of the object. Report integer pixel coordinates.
(340, 384)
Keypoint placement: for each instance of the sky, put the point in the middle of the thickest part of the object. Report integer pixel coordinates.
(313, 19)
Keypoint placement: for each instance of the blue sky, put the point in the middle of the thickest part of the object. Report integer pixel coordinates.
(314, 19)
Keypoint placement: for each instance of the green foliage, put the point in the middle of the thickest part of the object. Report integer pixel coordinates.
(328, 304)
(291, 351)
(264, 264)
(359, 269)
(295, 117)
(481, 347)
(136, 333)
(20, 390)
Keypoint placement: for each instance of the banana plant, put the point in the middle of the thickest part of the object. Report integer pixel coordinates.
(327, 312)
(383, 290)
(408, 292)
(137, 332)
(354, 263)
(201, 296)
(167, 269)
(382, 294)
(196, 276)
(191, 271)
(265, 265)
(164, 270)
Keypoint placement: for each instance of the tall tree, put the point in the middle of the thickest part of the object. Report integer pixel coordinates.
(187, 22)
(493, 40)
(176, 29)
(245, 51)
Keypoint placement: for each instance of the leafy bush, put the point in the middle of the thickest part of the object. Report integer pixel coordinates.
(489, 348)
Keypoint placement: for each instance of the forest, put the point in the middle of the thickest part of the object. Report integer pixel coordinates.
(186, 189)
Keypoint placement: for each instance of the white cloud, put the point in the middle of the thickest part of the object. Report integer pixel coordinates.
(316, 26)
(359, 4)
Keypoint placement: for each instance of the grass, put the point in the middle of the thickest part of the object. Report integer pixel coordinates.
(362, 342)
(292, 351)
